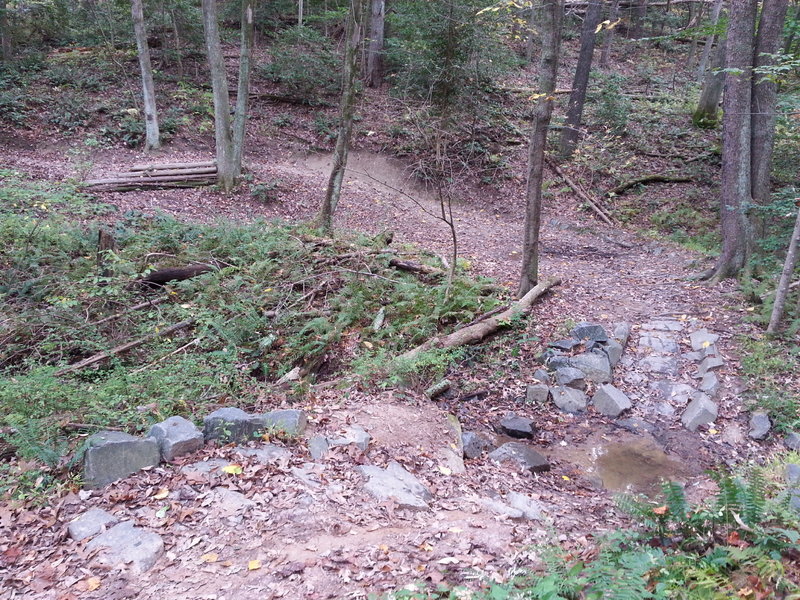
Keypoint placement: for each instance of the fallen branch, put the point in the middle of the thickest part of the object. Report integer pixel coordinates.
(412, 267)
(594, 205)
(169, 166)
(473, 334)
(106, 354)
(163, 276)
(653, 178)
(127, 311)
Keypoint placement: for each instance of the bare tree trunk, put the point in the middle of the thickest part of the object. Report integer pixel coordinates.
(737, 234)
(551, 16)
(704, 57)
(764, 101)
(299, 13)
(243, 87)
(786, 278)
(348, 105)
(375, 53)
(152, 137)
(707, 112)
(608, 36)
(530, 33)
(6, 49)
(577, 98)
(226, 172)
(639, 14)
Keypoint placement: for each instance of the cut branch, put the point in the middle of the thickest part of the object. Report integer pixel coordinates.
(593, 204)
(654, 178)
(413, 267)
(163, 276)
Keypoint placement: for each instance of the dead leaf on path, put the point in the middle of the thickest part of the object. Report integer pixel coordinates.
(233, 469)
(161, 494)
(210, 557)
(253, 565)
(92, 583)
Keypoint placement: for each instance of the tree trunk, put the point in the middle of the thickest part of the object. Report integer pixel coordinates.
(375, 53)
(243, 88)
(551, 15)
(348, 106)
(571, 131)
(704, 57)
(6, 49)
(786, 278)
(736, 132)
(152, 137)
(226, 172)
(639, 14)
(530, 33)
(299, 13)
(608, 36)
(707, 113)
(764, 101)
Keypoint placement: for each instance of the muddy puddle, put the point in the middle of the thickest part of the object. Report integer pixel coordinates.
(625, 463)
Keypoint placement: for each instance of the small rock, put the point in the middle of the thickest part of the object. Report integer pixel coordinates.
(556, 361)
(516, 426)
(570, 377)
(475, 444)
(759, 425)
(664, 408)
(665, 365)
(541, 376)
(613, 350)
(792, 441)
(522, 456)
(792, 474)
(125, 543)
(636, 425)
(663, 325)
(308, 474)
(112, 455)
(610, 401)
(700, 411)
(537, 393)
(288, 422)
(569, 399)
(499, 507)
(693, 356)
(622, 331)
(397, 484)
(595, 366)
(634, 378)
(176, 436)
(565, 345)
(660, 343)
(530, 509)
(90, 523)
(709, 363)
(318, 446)
(702, 339)
(589, 331)
(356, 435)
(677, 393)
(266, 453)
(733, 435)
(228, 424)
(205, 467)
(709, 383)
(228, 503)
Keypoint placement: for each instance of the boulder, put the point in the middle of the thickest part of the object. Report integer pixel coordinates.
(516, 426)
(229, 424)
(621, 333)
(176, 436)
(541, 376)
(589, 331)
(90, 523)
(521, 456)
(570, 377)
(130, 545)
(290, 422)
(595, 366)
(537, 393)
(702, 339)
(610, 401)
(565, 345)
(354, 434)
(397, 484)
(701, 411)
(613, 350)
(759, 425)
(569, 399)
(709, 384)
(475, 444)
(112, 455)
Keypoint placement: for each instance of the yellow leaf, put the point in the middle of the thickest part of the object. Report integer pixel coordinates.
(368, 344)
(383, 548)
(425, 546)
(445, 470)
(713, 431)
(253, 565)
(706, 344)
(92, 584)
(455, 530)
(661, 510)
(565, 478)
(232, 469)
(161, 494)
(210, 557)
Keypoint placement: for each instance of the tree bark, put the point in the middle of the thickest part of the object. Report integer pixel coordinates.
(707, 113)
(375, 52)
(608, 36)
(226, 172)
(737, 234)
(551, 15)
(152, 136)
(571, 131)
(637, 19)
(6, 47)
(709, 44)
(786, 278)
(529, 43)
(243, 87)
(348, 104)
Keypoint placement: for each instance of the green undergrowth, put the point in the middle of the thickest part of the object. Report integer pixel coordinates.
(770, 369)
(277, 298)
(742, 543)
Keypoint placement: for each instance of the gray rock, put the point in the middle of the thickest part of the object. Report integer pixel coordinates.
(176, 436)
(516, 426)
(660, 343)
(664, 408)
(318, 446)
(90, 523)
(499, 507)
(702, 339)
(759, 425)
(701, 411)
(288, 422)
(397, 484)
(589, 331)
(541, 376)
(794, 499)
(677, 393)
(529, 508)
(127, 544)
(228, 503)
(622, 331)
(709, 383)
(537, 393)
(570, 377)
(308, 474)
(451, 453)
(595, 366)
(665, 365)
(266, 453)
(610, 401)
(229, 424)
(475, 444)
(792, 441)
(205, 467)
(558, 361)
(569, 399)
(354, 434)
(636, 425)
(521, 456)
(663, 325)
(709, 363)
(792, 474)
(613, 350)
(733, 435)
(693, 356)
(564, 344)
(112, 455)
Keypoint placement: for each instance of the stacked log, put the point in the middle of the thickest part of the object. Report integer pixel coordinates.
(154, 176)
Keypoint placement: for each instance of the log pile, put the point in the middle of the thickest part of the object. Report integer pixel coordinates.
(153, 176)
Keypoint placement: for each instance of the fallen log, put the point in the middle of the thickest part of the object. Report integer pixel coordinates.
(164, 276)
(170, 166)
(654, 178)
(106, 354)
(135, 307)
(412, 267)
(477, 332)
(581, 194)
(152, 184)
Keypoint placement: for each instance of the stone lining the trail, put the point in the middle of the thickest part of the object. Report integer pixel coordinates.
(395, 483)
(127, 544)
(112, 455)
(176, 436)
(520, 456)
(90, 523)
